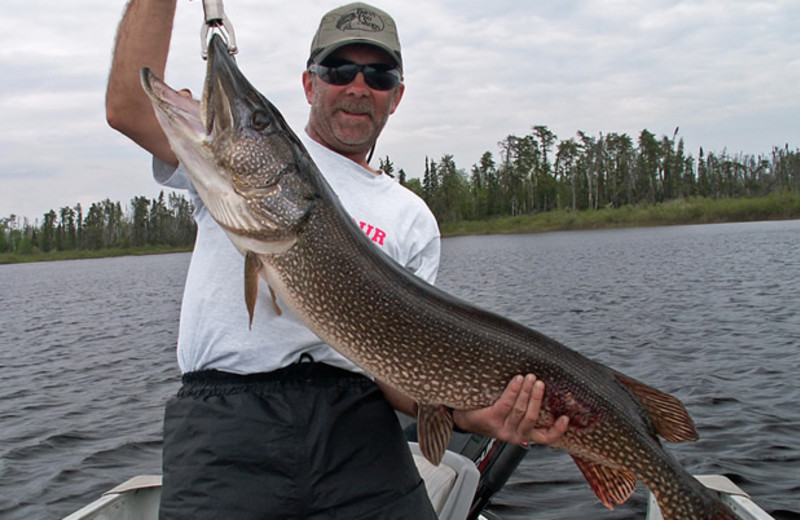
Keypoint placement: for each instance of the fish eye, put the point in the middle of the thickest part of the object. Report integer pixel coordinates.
(259, 120)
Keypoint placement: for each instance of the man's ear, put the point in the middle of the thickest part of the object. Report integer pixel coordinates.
(400, 89)
(308, 86)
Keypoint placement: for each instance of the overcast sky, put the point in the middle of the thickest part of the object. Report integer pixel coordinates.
(726, 72)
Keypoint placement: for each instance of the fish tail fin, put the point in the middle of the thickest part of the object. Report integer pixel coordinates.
(668, 414)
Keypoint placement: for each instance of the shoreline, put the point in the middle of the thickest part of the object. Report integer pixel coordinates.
(783, 206)
(55, 256)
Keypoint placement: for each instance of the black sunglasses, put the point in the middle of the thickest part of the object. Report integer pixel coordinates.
(379, 76)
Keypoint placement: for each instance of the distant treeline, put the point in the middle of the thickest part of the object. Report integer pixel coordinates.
(533, 174)
(156, 222)
(536, 173)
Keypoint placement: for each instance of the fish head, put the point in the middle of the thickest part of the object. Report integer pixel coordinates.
(240, 154)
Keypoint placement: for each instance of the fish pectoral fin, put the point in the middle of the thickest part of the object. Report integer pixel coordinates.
(668, 414)
(434, 429)
(612, 486)
(275, 306)
(252, 268)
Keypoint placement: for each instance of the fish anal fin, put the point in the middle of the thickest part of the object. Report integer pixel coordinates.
(668, 414)
(612, 486)
(434, 429)
(252, 268)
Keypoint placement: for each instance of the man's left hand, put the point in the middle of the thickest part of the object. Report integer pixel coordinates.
(512, 418)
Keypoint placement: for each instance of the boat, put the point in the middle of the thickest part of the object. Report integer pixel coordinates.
(460, 488)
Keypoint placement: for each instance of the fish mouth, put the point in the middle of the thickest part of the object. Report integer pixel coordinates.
(224, 83)
(216, 111)
(228, 97)
(182, 112)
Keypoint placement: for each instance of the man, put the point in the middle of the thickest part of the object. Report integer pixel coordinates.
(270, 422)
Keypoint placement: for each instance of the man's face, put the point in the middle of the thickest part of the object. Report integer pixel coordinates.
(349, 118)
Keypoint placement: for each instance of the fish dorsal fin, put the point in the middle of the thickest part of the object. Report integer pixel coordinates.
(670, 417)
(612, 486)
(434, 429)
(252, 268)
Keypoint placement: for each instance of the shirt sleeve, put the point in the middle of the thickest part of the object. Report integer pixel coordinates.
(171, 177)
(425, 264)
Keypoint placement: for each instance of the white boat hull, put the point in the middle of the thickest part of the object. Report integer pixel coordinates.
(451, 488)
(730, 494)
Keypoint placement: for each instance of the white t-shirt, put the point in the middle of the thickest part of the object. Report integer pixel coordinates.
(214, 331)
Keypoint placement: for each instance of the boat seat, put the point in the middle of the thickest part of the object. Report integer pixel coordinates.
(451, 485)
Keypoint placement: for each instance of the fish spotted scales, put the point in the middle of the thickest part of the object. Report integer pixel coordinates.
(259, 183)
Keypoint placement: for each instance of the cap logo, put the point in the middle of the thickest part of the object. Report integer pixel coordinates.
(360, 20)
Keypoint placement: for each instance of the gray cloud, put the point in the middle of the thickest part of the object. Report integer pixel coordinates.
(725, 72)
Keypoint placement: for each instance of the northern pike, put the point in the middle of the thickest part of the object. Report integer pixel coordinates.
(264, 190)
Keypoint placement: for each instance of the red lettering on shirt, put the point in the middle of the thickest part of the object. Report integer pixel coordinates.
(379, 236)
(376, 234)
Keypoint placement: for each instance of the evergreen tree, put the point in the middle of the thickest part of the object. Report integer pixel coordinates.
(48, 237)
(140, 221)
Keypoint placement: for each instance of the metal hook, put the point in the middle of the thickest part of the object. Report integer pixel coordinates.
(217, 22)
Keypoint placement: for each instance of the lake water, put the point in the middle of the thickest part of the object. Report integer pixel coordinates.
(708, 313)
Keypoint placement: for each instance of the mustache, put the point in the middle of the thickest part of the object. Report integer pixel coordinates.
(353, 106)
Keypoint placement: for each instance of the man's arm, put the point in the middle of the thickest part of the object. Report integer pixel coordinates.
(143, 39)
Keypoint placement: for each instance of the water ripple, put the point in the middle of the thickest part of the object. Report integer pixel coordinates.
(708, 313)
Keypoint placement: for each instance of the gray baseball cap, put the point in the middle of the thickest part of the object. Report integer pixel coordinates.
(355, 23)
